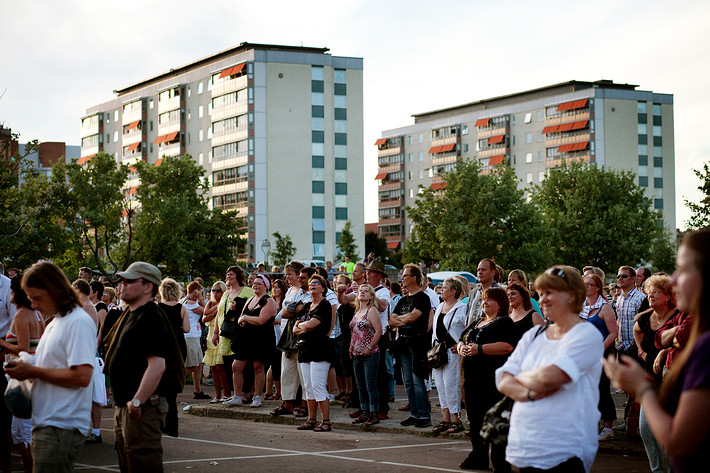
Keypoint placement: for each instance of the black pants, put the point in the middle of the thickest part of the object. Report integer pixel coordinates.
(573, 465)
(478, 400)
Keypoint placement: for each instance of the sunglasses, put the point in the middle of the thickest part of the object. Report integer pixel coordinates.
(556, 272)
(622, 276)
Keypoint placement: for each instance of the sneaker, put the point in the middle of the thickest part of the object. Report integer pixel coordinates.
(200, 395)
(216, 400)
(256, 402)
(620, 428)
(93, 438)
(209, 382)
(234, 401)
(421, 423)
(331, 398)
(225, 398)
(606, 434)
(409, 421)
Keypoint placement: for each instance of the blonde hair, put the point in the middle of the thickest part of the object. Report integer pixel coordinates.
(170, 290)
(371, 302)
(662, 283)
(565, 279)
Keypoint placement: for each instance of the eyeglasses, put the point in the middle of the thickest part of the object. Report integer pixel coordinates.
(556, 272)
(314, 283)
(130, 281)
(216, 290)
(622, 276)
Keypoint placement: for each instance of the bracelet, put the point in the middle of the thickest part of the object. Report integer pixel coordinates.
(529, 397)
(642, 391)
(480, 349)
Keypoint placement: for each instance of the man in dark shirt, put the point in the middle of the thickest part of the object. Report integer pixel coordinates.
(412, 317)
(145, 369)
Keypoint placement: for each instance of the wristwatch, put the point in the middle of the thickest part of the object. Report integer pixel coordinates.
(136, 402)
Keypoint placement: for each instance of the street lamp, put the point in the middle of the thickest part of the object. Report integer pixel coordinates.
(265, 247)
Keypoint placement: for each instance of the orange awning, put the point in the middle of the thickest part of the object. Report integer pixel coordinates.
(132, 125)
(133, 169)
(565, 127)
(580, 146)
(438, 186)
(85, 159)
(434, 149)
(572, 105)
(381, 141)
(550, 129)
(447, 148)
(133, 146)
(564, 148)
(393, 245)
(496, 139)
(231, 71)
(498, 159)
(133, 190)
(166, 138)
(381, 175)
(580, 124)
(482, 122)
(157, 163)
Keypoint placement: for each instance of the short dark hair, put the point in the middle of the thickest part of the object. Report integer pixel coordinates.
(499, 295)
(416, 271)
(19, 296)
(98, 288)
(49, 277)
(524, 293)
(238, 271)
(646, 272)
(309, 271)
(82, 286)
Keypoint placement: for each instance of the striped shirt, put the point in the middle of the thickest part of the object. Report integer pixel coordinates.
(626, 309)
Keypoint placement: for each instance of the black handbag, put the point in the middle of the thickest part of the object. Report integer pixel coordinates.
(230, 326)
(287, 342)
(438, 356)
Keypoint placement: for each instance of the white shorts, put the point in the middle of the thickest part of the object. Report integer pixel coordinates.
(21, 431)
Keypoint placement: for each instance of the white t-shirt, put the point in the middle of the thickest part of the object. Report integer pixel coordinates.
(195, 327)
(568, 419)
(433, 297)
(68, 341)
(384, 294)
(293, 294)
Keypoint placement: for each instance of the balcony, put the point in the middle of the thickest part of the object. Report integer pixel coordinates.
(557, 162)
(227, 85)
(386, 185)
(169, 127)
(241, 208)
(389, 151)
(133, 136)
(383, 204)
(391, 221)
(387, 160)
(230, 188)
(90, 150)
(237, 134)
(169, 104)
(446, 159)
(552, 140)
(172, 149)
(132, 116)
(445, 141)
(130, 160)
(391, 168)
(437, 179)
(487, 153)
(394, 238)
(231, 110)
(89, 128)
(571, 116)
(239, 159)
(495, 130)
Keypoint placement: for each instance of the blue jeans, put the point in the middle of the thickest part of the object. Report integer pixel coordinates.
(365, 369)
(657, 460)
(416, 389)
(389, 362)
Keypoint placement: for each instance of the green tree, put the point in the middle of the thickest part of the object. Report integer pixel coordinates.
(700, 210)
(477, 216)
(284, 249)
(175, 228)
(377, 245)
(597, 216)
(346, 245)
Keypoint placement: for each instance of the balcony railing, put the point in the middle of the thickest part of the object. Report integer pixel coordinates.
(493, 151)
(445, 141)
(230, 188)
(389, 151)
(224, 86)
(557, 162)
(446, 159)
(238, 134)
(230, 161)
(169, 150)
(391, 168)
(168, 127)
(551, 140)
(232, 110)
(389, 185)
(386, 203)
(391, 221)
(496, 130)
(169, 104)
(566, 117)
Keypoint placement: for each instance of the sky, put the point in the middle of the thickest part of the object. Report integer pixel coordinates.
(59, 58)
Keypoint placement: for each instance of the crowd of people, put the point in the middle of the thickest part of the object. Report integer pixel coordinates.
(309, 336)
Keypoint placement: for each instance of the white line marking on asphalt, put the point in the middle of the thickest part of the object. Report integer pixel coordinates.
(436, 468)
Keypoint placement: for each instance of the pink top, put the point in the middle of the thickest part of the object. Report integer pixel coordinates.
(362, 334)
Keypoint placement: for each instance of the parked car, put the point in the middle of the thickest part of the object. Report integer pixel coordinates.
(441, 276)
(313, 262)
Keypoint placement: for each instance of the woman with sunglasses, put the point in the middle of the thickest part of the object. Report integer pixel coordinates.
(553, 376)
(213, 358)
(679, 415)
(314, 351)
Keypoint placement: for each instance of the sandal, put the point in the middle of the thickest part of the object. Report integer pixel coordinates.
(324, 426)
(310, 424)
(455, 427)
(299, 412)
(442, 427)
(280, 411)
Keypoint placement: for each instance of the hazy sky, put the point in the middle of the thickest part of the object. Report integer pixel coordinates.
(61, 57)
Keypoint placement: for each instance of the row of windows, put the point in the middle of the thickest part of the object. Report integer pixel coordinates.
(229, 199)
(230, 176)
(229, 150)
(168, 94)
(317, 73)
(643, 140)
(642, 107)
(643, 129)
(318, 187)
(318, 211)
(657, 119)
(230, 98)
(657, 182)
(657, 161)
(643, 150)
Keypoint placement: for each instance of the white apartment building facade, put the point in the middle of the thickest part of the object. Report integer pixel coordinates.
(601, 123)
(278, 130)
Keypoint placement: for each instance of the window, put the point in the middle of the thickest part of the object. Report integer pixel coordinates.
(540, 176)
(150, 125)
(540, 156)
(529, 178)
(316, 72)
(421, 138)
(465, 148)
(409, 175)
(339, 101)
(421, 174)
(421, 156)
(318, 187)
(318, 162)
(341, 213)
(642, 129)
(409, 157)
(317, 111)
(658, 182)
(643, 160)
(317, 99)
(409, 140)
(464, 130)
(115, 115)
(318, 224)
(528, 117)
(108, 137)
(656, 131)
(658, 204)
(657, 120)
(317, 86)
(200, 135)
(340, 114)
(642, 118)
(318, 136)
(657, 172)
(643, 170)
(540, 136)
(201, 159)
(200, 87)
(341, 188)
(340, 151)
(115, 136)
(339, 76)
(657, 151)
(150, 104)
(643, 181)
(318, 212)
(108, 118)
(528, 138)
(318, 251)
(318, 174)
(200, 111)
(528, 158)
(656, 109)
(657, 141)
(658, 161)
(641, 107)
(642, 149)
(318, 237)
(341, 138)
(317, 124)
(540, 115)
(643, 139)
(339, 89)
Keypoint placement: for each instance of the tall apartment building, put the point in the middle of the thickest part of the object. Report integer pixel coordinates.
(278, 129)
(601, 123)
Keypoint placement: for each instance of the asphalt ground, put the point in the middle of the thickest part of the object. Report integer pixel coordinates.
(216, 438)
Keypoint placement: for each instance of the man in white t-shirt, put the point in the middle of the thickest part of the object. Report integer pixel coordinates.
(62, 372)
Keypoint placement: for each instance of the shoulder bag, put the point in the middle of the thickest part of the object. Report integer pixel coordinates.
(438, 356)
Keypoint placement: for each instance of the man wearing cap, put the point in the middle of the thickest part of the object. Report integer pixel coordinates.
(145, 368)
